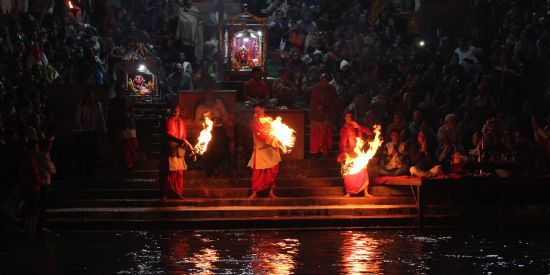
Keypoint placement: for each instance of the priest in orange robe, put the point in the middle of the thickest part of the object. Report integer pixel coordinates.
(265, 158)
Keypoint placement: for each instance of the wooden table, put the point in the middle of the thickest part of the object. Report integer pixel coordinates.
(412, 182)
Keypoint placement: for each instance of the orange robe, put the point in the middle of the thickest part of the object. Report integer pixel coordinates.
(175, 130)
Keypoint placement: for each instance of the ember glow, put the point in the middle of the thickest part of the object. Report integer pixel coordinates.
(283, 136)
(205, 136)
(70, 5)
(354, 164)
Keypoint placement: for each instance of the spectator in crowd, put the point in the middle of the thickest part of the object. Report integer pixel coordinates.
(398, 124)
(90, 125)
(394, 158)
(284, 89)
(31, 183)
(297, 69)
(255, 88)
(123, 126)
(448, 133)
(179, 80)
(46, 168)
(422, 156)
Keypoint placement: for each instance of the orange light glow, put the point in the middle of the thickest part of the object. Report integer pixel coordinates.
(354, 164)
(205, 136)
(361, 254)
(204, 260)
(70, 5)
(283, 136)
(274, 256)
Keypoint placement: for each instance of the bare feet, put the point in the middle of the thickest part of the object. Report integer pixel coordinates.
(180, 196)
(253, 196)
(272, 194)
(164, 199)
(346, 195)
(367, 195)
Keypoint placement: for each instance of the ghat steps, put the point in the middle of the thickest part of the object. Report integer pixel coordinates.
(310, 194)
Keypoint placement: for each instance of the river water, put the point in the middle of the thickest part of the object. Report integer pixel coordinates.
(275, 252)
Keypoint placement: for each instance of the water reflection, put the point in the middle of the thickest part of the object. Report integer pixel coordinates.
(273, 255)
(204, 260)
(361, 253)
(274, 252)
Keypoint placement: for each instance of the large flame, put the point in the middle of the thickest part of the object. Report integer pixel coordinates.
(205, 136)
(283, 136)
(354, 165)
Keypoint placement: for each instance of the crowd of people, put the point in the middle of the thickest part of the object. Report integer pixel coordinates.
(438, 96)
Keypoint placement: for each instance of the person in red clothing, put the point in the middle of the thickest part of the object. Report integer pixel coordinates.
(31, 182)
(123, 126)
(322, 108)
(255, 89)
(176, 142)
(348, 138)
(265, 158)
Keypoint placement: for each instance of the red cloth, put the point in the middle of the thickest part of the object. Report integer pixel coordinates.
(130, 151)
(323, 102)
(174, 180)
(264, 178)
(382, 180)
(320, 140)
(357, 182)
(297, 39)
(255, 89)
(176, 128)
(29, 177)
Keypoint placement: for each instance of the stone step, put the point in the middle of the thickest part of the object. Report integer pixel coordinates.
(199, 183)
(290, 222)
(219, 192)
(216, 192)
(71, 203)
(225, 212)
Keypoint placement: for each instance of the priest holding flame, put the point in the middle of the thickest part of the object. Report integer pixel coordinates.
(173, 165)
(265, 157)
(353, 157)
(212, 108)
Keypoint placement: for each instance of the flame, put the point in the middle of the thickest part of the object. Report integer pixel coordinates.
(283, 136)
(205, 136)
(354, 165)
(70, 5)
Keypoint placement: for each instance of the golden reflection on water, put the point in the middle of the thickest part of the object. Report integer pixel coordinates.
(273, 256)
(205, 259)
(361, 254)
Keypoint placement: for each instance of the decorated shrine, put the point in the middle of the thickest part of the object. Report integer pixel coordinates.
(141, 69)
(243, 43)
